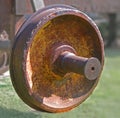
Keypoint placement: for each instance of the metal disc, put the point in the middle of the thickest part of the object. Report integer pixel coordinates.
(32, 72)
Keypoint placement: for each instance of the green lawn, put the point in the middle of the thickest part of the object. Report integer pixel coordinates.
(103, 103)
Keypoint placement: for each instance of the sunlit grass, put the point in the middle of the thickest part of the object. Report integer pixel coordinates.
(103, 103)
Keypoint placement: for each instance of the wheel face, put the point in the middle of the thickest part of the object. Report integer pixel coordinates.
(44, 89)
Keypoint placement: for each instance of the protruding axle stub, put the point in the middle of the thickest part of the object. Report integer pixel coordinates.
(70, 62)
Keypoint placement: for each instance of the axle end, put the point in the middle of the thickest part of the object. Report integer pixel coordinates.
(92, 68)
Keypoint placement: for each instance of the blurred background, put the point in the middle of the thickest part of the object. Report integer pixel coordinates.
(105, 100)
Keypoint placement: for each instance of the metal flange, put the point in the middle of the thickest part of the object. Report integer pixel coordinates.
(56, 59)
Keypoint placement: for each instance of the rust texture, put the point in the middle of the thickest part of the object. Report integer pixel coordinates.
(69, 62)
(32, 72)
(69, 30)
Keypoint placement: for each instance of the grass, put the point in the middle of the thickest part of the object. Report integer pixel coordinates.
(103, 103)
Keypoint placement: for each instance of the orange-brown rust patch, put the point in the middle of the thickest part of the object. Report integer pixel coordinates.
(70, 30)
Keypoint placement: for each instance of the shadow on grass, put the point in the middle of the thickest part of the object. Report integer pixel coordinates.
(12, 113)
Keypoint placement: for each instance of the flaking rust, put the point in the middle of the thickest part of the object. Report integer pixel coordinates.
(49, 82)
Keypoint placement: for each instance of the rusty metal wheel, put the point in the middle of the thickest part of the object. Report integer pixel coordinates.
(38, 75)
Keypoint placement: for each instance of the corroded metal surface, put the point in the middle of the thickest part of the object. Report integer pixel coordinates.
(89, 67)
(32, 71)
(20, 22)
